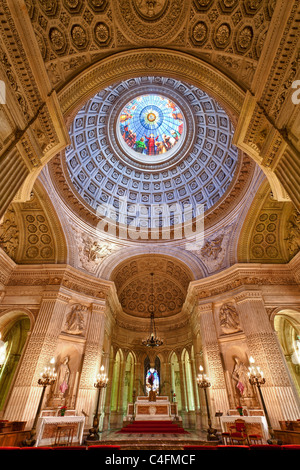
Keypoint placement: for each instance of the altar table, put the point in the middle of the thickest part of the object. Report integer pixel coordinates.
(255, 425)
(144, 410)
(47, 427)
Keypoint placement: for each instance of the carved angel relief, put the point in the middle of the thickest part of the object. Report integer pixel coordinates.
(9, 234)
(293, 238)
(229, 319)
(212, 253)
(93, 252)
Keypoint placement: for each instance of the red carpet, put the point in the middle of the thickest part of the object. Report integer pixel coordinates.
(153, 427)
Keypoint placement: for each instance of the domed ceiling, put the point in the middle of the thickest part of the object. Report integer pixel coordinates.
(164, 292)
(188, 158)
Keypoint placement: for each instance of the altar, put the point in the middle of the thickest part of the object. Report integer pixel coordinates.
(47, 426)
(144, 410)
(255, 425)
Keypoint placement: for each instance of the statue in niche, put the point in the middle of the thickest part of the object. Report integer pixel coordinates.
(75, 320)
(229, 319)
(63, 377)
(240, 376)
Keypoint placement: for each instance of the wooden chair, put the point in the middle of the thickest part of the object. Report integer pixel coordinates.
(238, 432)
(64, 431)
(225, 437)
(255, 438)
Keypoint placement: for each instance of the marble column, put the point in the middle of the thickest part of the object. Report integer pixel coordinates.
(278, 392)
(106, 421)
(40, 349)
(87, 393)
(213, 367)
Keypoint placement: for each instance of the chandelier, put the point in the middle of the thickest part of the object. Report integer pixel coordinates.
(152, 341)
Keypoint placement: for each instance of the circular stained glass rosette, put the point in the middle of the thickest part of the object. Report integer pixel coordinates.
(151, 125)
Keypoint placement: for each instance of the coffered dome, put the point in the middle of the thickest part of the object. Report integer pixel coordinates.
(196, 169)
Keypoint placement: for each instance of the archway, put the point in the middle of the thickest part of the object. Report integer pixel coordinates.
(14, 327)
(287, 326)
(176, 380)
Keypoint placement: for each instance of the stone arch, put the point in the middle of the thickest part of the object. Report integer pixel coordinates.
(188, 378)
(175, 377)
(128, 378)
(111, 263)
(11, 314)
(286, 323)
(118, 359)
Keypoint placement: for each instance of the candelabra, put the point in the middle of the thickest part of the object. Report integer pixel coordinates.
(100, 383)
(204, 383)
(47, 377)
(256, 378)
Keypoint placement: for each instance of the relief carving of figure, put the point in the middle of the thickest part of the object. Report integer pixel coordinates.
(212, 248)
(75, 320)
(92, 252)
(9, 234)
(293, 238)
(229, 319)
(240, 376)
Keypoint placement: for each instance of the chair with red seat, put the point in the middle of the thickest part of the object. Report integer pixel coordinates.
(255, 438)
(225, 437)
(238, 432)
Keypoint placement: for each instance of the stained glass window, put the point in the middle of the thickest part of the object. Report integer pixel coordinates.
(151, 124)
(152, 380)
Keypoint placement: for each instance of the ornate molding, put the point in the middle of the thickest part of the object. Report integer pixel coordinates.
(133, 63)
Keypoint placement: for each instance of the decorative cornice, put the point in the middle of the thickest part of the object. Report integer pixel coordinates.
(135, 63)
(242, 276)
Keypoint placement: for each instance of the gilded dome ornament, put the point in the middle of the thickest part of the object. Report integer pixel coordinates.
(150, 9)
(165, 17)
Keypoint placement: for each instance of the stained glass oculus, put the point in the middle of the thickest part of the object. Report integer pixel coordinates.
(151, 124)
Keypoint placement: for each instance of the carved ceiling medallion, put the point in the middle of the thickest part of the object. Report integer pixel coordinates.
(150, 9)
(143, 20)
